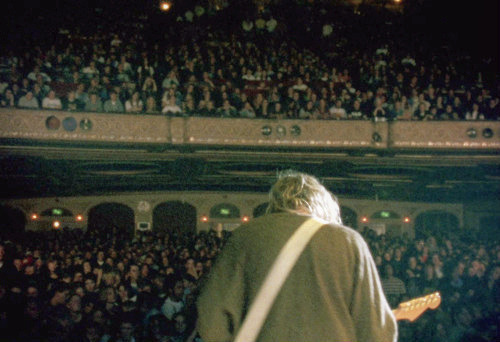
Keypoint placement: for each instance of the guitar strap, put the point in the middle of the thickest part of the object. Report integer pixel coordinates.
(275, 279)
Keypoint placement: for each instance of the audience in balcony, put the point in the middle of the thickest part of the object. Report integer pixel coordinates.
(381, 79)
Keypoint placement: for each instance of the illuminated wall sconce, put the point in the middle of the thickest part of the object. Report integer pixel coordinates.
(165, 5)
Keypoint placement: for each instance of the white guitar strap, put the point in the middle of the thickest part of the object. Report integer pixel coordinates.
(275, 279)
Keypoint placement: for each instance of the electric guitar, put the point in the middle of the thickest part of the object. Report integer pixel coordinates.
(414, 308)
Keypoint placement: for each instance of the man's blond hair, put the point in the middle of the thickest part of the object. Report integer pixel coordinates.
(302, 193)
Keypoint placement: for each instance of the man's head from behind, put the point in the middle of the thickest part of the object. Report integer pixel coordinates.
(301, 193)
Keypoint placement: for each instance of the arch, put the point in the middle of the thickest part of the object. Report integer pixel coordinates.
(260, 209)
(349, 217)
(489, 228)
(12, 222)
(175, 217)
(438, 223)
(56, 212)
(112, 219)
(224, 211)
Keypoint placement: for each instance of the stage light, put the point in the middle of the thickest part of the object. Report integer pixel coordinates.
(56, 224)
(406, 219)
(34, 217)
(165, 6)
(364, 219)
(79, 218)
(245, 218)
(204, 218)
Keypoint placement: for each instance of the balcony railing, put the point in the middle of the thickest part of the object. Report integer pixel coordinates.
(81, 128)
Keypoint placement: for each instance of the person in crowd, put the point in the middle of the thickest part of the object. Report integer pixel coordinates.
(493, 109)
(170, 80)
(308, 112)
(207, 108)
(51, 101)
(422, 113)
(394, 288)
(355, 113)
(72, 104)
(94, 104)
(170, 107)
(189, 106)
(151, 106)
(474, 113)
(277, 111)
(81, 93)
(247, 111)
(337, 111)
(90, 71)
(134, 104)
(227, 110)
(113, 105)
(448, 114)
(28, 101)
(380, 113)
(174, 302)
(149, 87)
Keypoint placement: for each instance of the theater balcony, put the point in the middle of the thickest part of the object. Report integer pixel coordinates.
(71, 153)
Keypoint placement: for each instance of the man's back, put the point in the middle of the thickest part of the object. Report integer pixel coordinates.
(333, 293)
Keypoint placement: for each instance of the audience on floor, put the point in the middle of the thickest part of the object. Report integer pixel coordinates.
(69, 285)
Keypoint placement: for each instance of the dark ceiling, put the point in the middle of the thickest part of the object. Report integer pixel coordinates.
(69, 171)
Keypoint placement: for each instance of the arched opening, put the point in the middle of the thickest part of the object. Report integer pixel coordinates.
(12, 223)
(109, 220)
(174, 217)
(349, 217)
(436, 223)
(489, 228)
(260, 209)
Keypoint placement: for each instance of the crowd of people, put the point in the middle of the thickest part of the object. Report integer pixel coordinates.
(249, 74)
(69, 285)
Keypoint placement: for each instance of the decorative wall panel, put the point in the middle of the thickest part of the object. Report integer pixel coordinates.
(70, 126)
(445, 134)
(59, 126)
(291, 133)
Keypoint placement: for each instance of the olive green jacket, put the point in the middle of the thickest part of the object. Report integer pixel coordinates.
(333, 293)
